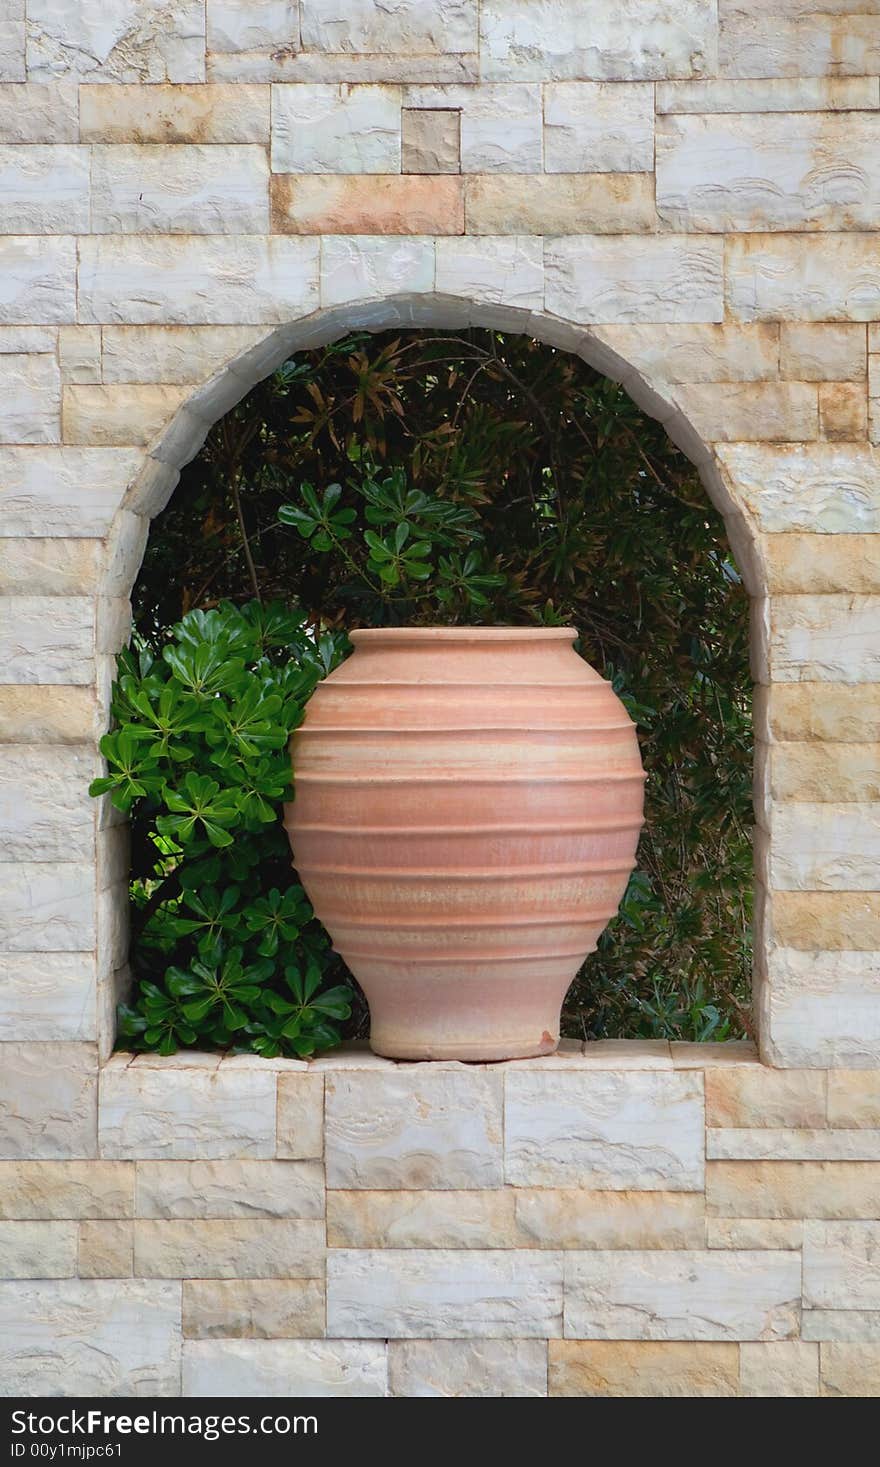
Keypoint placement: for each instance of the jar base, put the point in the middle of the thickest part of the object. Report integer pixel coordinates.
(480, 1053)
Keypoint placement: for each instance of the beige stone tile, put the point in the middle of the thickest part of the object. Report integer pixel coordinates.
(406, 1219)
(759, 1096)
(855, 1325)
(824, 711)
(218, 1189)
(253, 1309)
(456, 1368)
(285, 1368)
(173, 354)
(48, 1093)
(417, 1128)
(37, 1250)
(698, 352)
(821, 352)
(807, 277)
(368, 26)
(368, 204)
(827, 920)
(119, 415)
(106, 1250)
(598, 127)
(200, 1114)
(854, 1098)
(554, 204)
(521, 41)
(842, 1265)
(231, 1248)
(768, 1144)
(66, 1189)
(795, 41)
(47, 996)
(765, 412)
(776, 94)
(318, 127)
(668, 278)
(817, 487)
(31, 113)
(508, 270)
(566, 1217)
(792, 1189)
(300, 1116)
(41, 714)
(843, 411)
(618, 1368)
(753, 1232)
(431, 140)
(795, 563)
(117, 43)
(779, 1368)
(850, 1369)
(174, 114)
(734, 1052)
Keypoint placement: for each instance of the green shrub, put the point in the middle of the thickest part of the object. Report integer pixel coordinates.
(225, 944)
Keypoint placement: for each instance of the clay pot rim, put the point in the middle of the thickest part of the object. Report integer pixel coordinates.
(462, 634)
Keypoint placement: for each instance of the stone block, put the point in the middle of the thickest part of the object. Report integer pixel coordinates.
(203, 1114)
(753, 1232)
(621, 1132)
(455, 1368)
(202, 281)
(431, 140)
(37, 279)
(373, 267)
(389, 203)
(774, 94)
(603, 1054)
(45, 810)
(557, 204)
(47, 907)
(825, 847)
(669, 279)
(631, 41)
(841, 1324)
(506, 270)
(620, 1368)
(228, 1248)
(106, 1250)
(572, 1217)
(424, 1128)
(119, 415)
(854, 1098)
(821, 352)
(90, 1337)
(447, 1293)
(66, 1189)
(187, 189)
(768, 412)
(843, 411)
(598, 127)
(173, 354)
(823, 1005)
(779, 1368)
(300, 1116)
(796, 564)
(37, 1250)
(501, 126)
(62, 492)
(285, 1369)
(31, 113)
(724, 1054)
(795, 40)
(850, 1370)
(693, 1295)
(240, 27)
(825, 638)
(821, 488)
(79, 353)
(45, 714)
(253, 1309)
(823, 711)
(124, 41)
(828, 921)
(229, 1189)
(842, 1265)
(31, 401)
(321, 128)
(45, 189)
(767, 1144)
(792, 1189)
(12, 51)
(832, 277)
(28, 338)
(405, 1219)
(173, 114)
(759, 1096)
(410, 28)
(743, 173)
(697, 353)
(47, 996)
(48, 1096)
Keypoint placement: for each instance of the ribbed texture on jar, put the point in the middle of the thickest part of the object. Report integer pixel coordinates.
(467, 806)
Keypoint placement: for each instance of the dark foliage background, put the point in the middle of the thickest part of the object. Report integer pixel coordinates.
(580, 511)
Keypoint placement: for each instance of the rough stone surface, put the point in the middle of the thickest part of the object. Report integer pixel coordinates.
(202, 1115)
(627, 1368)
(134, 41)
(779, 1368)
(757, 1096)
(335, 129)
(598, 127)
(171, 114)
(106, 1250)
(557, 204)
(453, 1368)
(792, 1189)
(842, 1265)
(48, 1100)
(300, 1116)
(407, 1219)
(47, 996)
(414, 1129)
(635, 1131)
(413, 1294)
(663, 280)
(284, 1368)
(228, 1248)
(259, 1309)
(385, 203)
(189, 189)
(850, 1370)
(632, 40)
(230, 1189)
(431, 140)
(735, 1295)
(548, 1217)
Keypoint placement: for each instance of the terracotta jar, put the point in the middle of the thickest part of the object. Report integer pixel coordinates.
(468, 802)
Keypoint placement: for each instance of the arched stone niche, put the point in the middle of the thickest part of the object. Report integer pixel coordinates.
(682, 194)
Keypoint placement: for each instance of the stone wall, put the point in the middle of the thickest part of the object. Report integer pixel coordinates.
(688, 195)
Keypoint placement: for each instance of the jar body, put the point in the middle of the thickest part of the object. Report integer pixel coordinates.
(468, 803)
